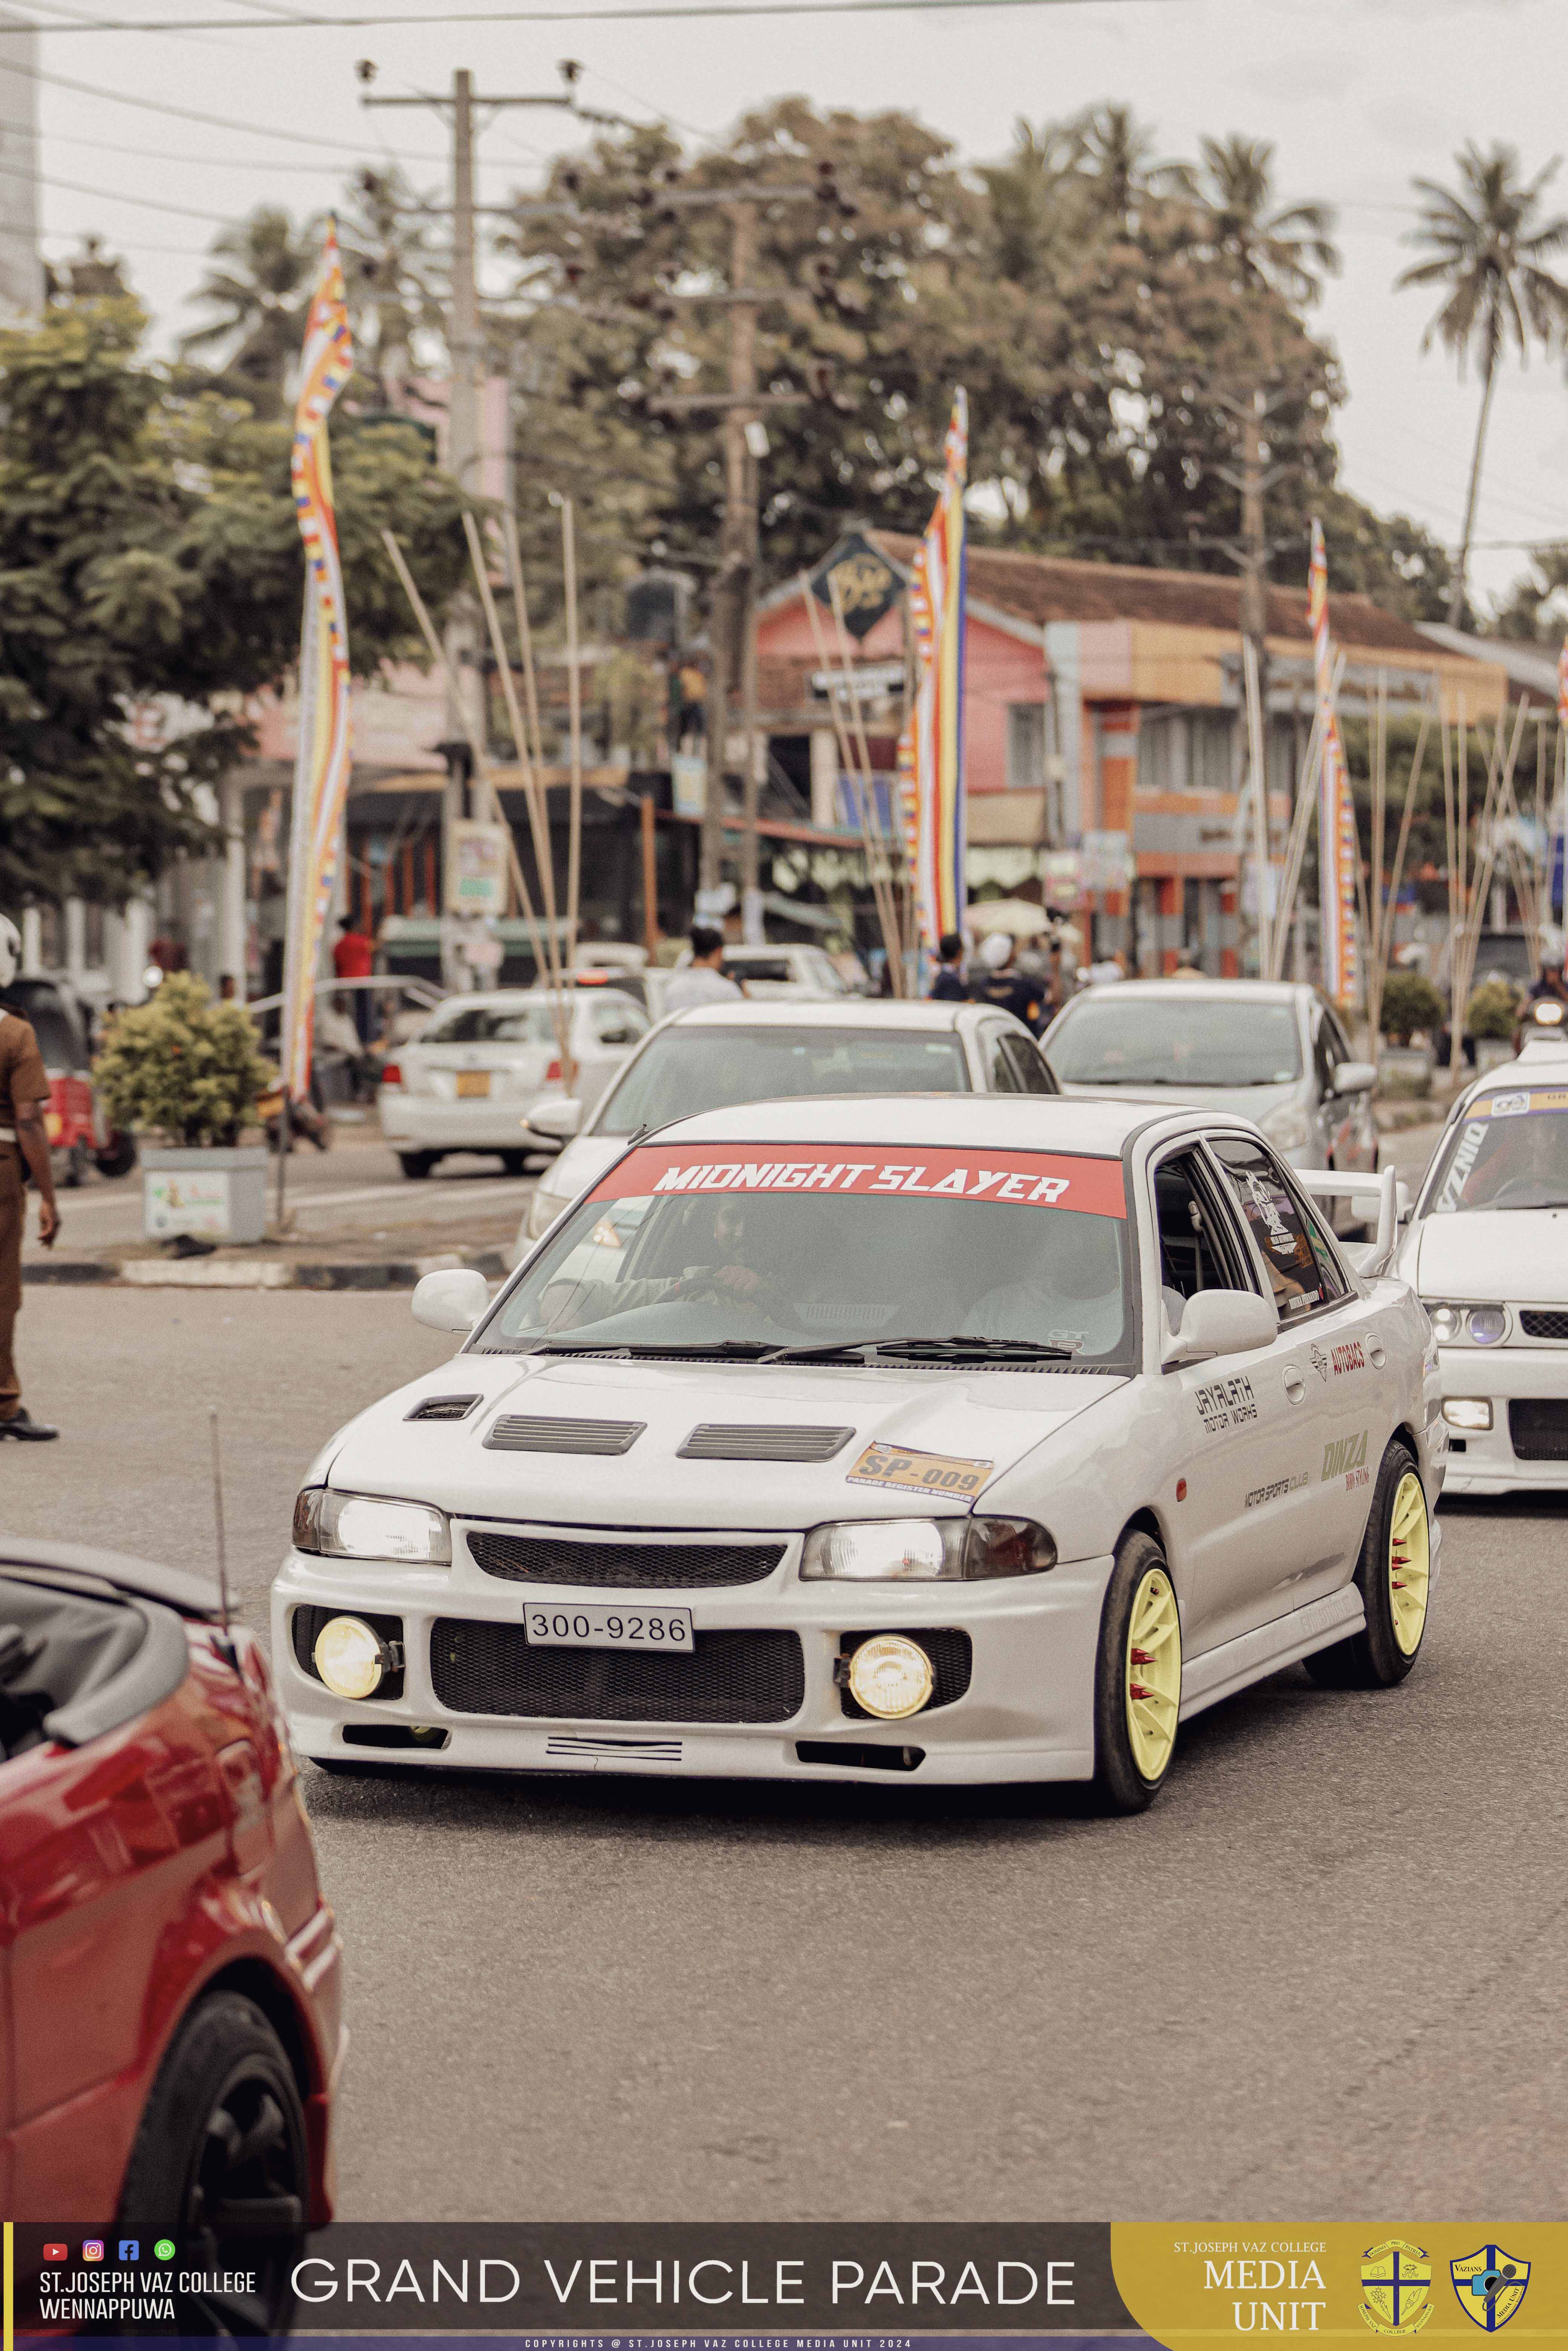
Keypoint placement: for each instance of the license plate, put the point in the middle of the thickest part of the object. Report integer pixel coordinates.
(472, 1082)
(608, 1629)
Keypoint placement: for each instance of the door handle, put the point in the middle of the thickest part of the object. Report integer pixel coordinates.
(1295, 1385)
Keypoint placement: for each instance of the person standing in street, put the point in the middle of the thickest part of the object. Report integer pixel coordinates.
(999, 983)
(23, 1141)
(354, 957)
(950, 986)
(703, 980)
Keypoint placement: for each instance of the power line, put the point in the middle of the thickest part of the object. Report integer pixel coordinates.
(193, 114)
(112, 196)
(684, 8)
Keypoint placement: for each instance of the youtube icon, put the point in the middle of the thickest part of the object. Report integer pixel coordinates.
(57, 2252)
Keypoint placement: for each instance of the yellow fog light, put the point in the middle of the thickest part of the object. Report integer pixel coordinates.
(350, 1657)
(891, 1677)
(1467, 1412)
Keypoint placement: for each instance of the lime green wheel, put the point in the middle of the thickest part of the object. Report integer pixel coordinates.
(1137, 1679)
(1409, 1563)
(1394, 1577)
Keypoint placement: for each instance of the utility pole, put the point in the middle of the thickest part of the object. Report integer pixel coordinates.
(1253, 481)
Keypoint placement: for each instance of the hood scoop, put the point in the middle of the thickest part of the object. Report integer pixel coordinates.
(717, 1440)
(517, 1432)
(453, 1407)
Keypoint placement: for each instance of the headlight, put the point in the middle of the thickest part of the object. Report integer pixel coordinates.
(1467, 1412)
(927, 1551)
(1483, 1326)
(891, 1677)
(1288, 1127)
(353, 1526)
(352, 1658)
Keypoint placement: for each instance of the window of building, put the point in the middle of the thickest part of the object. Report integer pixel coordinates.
(1026, 747)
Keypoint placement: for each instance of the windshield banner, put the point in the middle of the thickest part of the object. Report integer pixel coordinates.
(1528, 1104)
(1031, 1179)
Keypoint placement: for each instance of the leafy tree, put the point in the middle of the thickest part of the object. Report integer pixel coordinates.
(149, 547)
(259, 292)
(181, 1067)
(393, 275)
(1488, 245)
(1409, 1002)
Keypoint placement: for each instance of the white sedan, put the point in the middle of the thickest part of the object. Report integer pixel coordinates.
(835, 1439)
(716, 1055)
(471, 1078)
(1488, 1252)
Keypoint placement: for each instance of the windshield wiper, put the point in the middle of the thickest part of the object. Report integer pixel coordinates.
(959, 1349)
(750, 1348)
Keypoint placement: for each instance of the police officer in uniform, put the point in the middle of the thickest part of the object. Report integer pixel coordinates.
(24, 1141)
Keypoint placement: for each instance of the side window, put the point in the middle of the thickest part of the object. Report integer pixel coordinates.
(1027, 1064)
(1277, 1225)
(1325, 1057)
(1000, 1076)
(618, 1021)
(1199, 1249)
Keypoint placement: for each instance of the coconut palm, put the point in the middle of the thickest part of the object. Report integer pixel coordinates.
(260, 292)
(1486, 243)
(1286, 250)
(393, 272)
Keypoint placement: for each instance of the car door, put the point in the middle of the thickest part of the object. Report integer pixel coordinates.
(1235, 1414)
(1349, 1135)
(1029, 1066)
(1000, 1076)
(1332, 1352)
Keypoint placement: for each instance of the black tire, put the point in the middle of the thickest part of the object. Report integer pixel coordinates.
(223, 2128)
(117, 1157)
(1122, 1783)
(417, 1165)
(1376, 1657)
(515, 1162)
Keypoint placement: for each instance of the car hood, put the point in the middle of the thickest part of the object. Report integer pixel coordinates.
(583, 1163)
(981, 1416)
(1246, 1101)
(1480, 1254)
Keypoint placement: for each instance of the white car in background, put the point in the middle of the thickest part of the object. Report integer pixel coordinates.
(475, 1071)
(842, 1438)
(803, 972)
(1488, 1252)
(718, 1054)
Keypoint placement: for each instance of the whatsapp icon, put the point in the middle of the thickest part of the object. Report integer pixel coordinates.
(163, 2251)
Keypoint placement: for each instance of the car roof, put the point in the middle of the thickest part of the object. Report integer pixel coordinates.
(1263, 991)
(961, 1121)
(174, 1586)
(835, 1012)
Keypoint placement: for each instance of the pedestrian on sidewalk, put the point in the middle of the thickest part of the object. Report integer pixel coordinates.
(354, 957)
(24, 1141)
(703, 980)
(951, 984)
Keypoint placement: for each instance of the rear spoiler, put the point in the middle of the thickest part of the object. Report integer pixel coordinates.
(1384, 1195)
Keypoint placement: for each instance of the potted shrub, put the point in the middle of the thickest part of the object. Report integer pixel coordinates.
(186, 1074)
(1409, 1002)
(1492, 1017)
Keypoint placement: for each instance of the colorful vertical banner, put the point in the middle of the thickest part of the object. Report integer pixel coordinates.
(322, 759)
(931, 749)
(1338, 848)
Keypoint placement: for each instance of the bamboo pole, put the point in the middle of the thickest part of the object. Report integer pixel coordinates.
(1307, 803)
(1396, 872)
(849, 766)
(533, 783)
(525, 635)
(574, 706)
(887, 899)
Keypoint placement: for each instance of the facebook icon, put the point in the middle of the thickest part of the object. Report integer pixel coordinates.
(130, 2249)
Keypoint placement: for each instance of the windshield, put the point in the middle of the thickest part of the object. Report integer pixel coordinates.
(689, 1070)
(676, 1252)
(1110, 1039)
(1510, 1151)
(491, 1024)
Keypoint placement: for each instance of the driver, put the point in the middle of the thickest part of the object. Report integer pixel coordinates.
(567, 1305)
(1527, 1155)
(1068, 1295)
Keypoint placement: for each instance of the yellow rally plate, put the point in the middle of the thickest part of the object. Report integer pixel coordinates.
(923, 1473)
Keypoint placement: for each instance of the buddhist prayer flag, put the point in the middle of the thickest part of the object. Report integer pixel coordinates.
(931, 750)
(1338, 848)
(323, 757)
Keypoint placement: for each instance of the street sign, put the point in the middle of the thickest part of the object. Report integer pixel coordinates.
(476, 863)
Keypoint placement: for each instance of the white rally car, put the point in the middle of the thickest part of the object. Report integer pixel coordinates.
(974, 1442)
(1488, 1252)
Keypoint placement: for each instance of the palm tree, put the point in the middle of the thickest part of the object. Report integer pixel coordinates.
(260, 291)
(392, 273)
(1284, 250)
(1486, 243)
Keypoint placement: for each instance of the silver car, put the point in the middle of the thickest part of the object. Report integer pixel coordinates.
(1273, 1052)
(716, 1055)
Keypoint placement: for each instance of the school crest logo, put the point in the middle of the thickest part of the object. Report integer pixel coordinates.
(1491, 2285)
(1319, 1361)
(1396, 2287)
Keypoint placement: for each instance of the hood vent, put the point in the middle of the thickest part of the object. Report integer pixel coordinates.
(517, 1432)
(442, 1408)
(717, 1440)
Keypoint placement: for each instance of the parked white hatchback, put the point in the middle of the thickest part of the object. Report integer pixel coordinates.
(850, 1437)
(1488, 1250)
(471, 1077)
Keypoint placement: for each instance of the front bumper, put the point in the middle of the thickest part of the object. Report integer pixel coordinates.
(426, 1123)
(1026, 1715)
(1485, 1461)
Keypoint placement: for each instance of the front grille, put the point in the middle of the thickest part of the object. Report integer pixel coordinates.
(308, 1623)
(1538, 1428)
(1536, 1323)
(517, 1432)
(453, 1407)
(716, 1440)
(730, 1676)
(952, 1656)
(625, 1566)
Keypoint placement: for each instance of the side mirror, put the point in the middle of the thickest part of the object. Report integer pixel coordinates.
(1220, 1322)
(1354, 1077)
(453, 1300)
(559, 1120)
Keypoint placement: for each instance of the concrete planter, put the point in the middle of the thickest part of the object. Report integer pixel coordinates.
(1406, 1068)
(217, 1193)
(1491, 1053)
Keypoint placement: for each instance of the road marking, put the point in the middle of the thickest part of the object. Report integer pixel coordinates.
(472, 1188)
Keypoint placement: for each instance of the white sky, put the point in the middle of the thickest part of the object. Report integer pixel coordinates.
(1358, 95)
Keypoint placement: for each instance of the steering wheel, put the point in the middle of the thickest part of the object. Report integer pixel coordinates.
(1501, 1197)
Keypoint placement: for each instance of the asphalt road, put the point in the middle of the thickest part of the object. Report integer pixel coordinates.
(1322, 1977)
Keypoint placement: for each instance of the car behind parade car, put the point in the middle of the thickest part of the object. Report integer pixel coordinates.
(1488, 1252)
(814, 1441)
